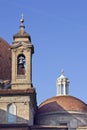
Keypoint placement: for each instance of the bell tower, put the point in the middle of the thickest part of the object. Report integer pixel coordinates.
(18, 103)
(22, 50)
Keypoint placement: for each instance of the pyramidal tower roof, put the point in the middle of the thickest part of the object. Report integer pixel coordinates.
(22, 33)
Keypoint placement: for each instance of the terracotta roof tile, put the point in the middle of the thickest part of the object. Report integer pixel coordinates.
(5, 60)
(62, 103)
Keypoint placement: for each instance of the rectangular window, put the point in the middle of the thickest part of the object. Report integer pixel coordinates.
(63, 124)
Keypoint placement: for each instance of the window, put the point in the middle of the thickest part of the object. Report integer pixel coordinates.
(11, 113)
(63, 124)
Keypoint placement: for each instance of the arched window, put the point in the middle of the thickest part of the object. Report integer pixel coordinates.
(11, 111)
(21, 64)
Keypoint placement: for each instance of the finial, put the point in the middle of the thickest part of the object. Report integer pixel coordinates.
(22, 20)
(62, 72)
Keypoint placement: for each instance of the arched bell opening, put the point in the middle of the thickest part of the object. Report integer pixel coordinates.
(21, 64)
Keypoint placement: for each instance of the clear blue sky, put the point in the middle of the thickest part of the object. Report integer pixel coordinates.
(58, 29)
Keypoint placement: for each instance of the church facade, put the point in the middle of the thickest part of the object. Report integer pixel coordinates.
(18, 102)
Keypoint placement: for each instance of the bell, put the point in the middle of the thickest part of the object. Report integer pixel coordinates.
(21, 58)
(20, 62)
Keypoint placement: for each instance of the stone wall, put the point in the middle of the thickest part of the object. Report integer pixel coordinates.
(71, 120)
(82, 128)
(23, 109)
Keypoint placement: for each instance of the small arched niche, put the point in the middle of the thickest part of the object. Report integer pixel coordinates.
(11, 113)
(21, 64)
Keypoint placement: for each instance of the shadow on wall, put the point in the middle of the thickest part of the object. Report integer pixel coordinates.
(10, 121)
(6, 117)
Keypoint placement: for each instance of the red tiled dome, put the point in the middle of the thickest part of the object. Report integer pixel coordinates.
(5, 60)
(62, 103)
